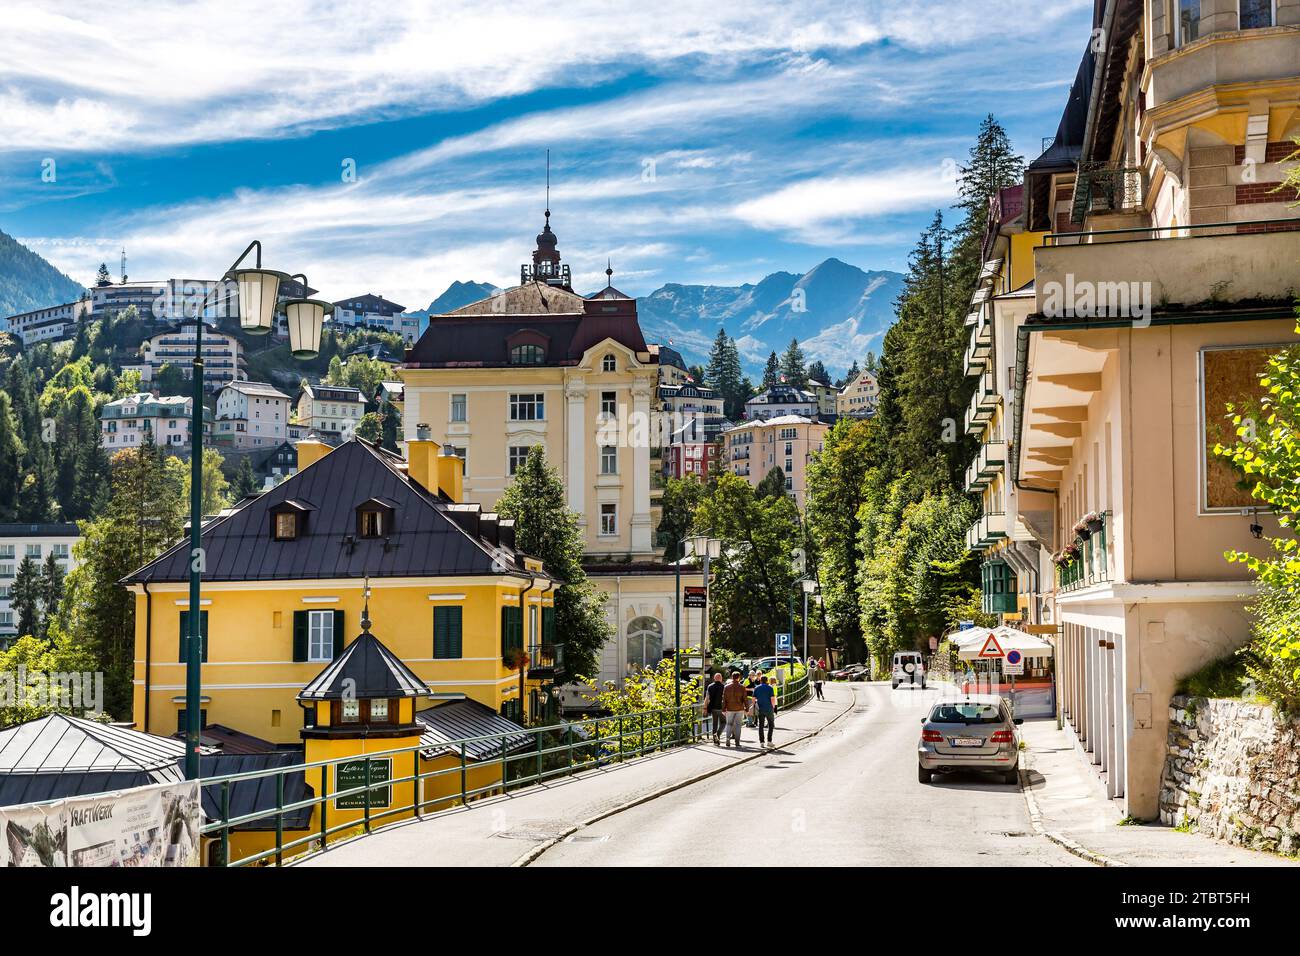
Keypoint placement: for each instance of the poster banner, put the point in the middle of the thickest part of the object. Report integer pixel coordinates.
(157, 825)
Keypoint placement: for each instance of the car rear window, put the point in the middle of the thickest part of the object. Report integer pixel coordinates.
(966, 713)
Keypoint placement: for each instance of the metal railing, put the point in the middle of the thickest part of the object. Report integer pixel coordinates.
(1092, 566)
(1100, 187)
(1200, 230)
(552, 751)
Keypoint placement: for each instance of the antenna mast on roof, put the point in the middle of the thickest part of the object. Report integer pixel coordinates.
(548, 185)
(124, 265)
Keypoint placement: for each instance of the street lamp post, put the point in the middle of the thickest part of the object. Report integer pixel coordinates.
(809, 587)
(259, 293)
(701, 546)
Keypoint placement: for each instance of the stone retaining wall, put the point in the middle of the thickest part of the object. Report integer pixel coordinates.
(1232, 771)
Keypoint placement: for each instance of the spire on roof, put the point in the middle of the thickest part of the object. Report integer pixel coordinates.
(609, 273)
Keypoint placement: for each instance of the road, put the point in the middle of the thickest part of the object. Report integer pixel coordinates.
(848, 796)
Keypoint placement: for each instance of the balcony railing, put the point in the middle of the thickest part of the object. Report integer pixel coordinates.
(990, 458)
(1092, 566)
(545, 661)
(981, 407)
(1102, 188)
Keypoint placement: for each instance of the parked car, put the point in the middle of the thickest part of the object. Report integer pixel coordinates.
(976, 733)
(852, 672)
(908, 669)
(766, 664)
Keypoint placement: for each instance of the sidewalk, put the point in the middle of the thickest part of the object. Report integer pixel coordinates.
(506, 830)
(1068, 803)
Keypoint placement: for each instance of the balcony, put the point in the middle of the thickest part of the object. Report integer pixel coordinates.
(1092, 566)
(545, 662)
(982, 406)
(1125, 273)
(988, 530)
(1104, 190)
(990, 458)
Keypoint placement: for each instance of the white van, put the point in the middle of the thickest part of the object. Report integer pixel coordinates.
(908, 669)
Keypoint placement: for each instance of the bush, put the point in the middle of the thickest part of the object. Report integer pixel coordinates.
(1272, 660)
(1225, 677)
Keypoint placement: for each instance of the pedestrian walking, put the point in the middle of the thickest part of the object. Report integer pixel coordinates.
(750, 683)
(734, 699)
(819, 677)
(713, 703)
(765, 705)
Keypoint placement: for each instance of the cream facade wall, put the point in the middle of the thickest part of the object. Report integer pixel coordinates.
(573, 432)
(754, 448)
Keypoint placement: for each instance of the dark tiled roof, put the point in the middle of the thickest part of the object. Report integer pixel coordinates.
(424, 542)
(458, 719)
(258, 793)
(226, 740)
(366, 669)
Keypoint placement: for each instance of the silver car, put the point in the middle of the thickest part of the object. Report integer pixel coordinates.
(976, 733)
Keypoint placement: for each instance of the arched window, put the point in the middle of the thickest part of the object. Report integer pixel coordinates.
(645, 643)
(527, 355)
(609, 364)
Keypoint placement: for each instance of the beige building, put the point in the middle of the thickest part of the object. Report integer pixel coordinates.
(1152, 311)
(331, 411)
(223, 356)
(128, 422)
(753, 448)
(252, 415)
(859, 397)
(540, 364)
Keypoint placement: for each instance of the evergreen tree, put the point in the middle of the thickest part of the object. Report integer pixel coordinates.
(545, 528)
(51, 592)
(817, 373)
(792, 365)
(245, 482)
(680, 499)
(724, 374)
(772, 485)
(25, 597)
(12, 454)
(772, 371)
(392, 425)
(103, 276)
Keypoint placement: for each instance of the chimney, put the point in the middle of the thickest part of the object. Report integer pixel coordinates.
(451, 475)
(310, 451)
(422, 459)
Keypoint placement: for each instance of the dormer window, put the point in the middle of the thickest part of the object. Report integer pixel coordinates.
(286, 526)
(609, 364)
(374, 519)
(527, 355)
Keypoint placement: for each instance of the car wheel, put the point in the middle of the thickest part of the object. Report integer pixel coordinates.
(1011, 777)
(923, 775)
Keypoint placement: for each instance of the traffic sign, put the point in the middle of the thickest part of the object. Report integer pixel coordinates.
(991, 648)
(1014, 664)
(782, 642)
(1014, 656)
(934, 643)
(695, 596)
(965, 625)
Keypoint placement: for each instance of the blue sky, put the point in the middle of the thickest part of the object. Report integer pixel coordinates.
(690, 142)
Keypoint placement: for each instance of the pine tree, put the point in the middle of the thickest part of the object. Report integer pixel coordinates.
(817, 373)
(103, 276)
(772, 485)
(772, 371)
(792, 365)
(51, 592)
(724, 374)
(245, 482)
(25, 597)
(12, 454)
(545, 528)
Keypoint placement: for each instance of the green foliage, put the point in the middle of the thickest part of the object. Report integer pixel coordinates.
(370, 428)
(360, 371)
(793, 367)
(216, 488)
(1267, 455)
(143, 516)
(1224, 677)
(817, 373)
(680, 499)
(28, 282)
(724, 374)
(545, 528)
(753, 584)
(245, 481)
(36, 656)
(772, 371)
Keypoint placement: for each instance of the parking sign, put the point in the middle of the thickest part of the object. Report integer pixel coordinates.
(783, 643)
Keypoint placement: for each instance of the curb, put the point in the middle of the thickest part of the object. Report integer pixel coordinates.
(1070, 846)
(531, 855)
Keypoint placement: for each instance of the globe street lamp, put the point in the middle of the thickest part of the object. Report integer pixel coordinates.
(259, 294)
(809, 587)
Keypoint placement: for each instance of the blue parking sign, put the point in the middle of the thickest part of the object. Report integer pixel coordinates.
(783, 642)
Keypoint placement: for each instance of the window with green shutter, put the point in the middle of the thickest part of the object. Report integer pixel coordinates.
(512, 629)
(548, 625)
(446, 633)
(185, 635)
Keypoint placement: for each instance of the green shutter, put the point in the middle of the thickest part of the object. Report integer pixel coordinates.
(505, 630)
(548, 625)
(447, 633)
(338, 633)
(299, 635)
(512, 628)
(184, 642)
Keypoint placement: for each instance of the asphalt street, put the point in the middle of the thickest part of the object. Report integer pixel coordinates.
(848, 796)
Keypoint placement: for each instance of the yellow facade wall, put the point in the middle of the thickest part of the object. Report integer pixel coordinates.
(250, 680)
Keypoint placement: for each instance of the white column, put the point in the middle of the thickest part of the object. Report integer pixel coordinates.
(640, 525)
(575, 394)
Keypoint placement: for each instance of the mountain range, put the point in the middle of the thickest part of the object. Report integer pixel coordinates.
(837, 312)
(28, 282)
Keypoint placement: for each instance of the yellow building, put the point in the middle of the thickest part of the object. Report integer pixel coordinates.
(284, 586)
(540, 364)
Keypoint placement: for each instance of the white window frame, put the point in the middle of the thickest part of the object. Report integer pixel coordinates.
(460, 402)
(515, 462)
(320, 626)
(528, 401)
(609, 363)
(608, 510)
(609, 459)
